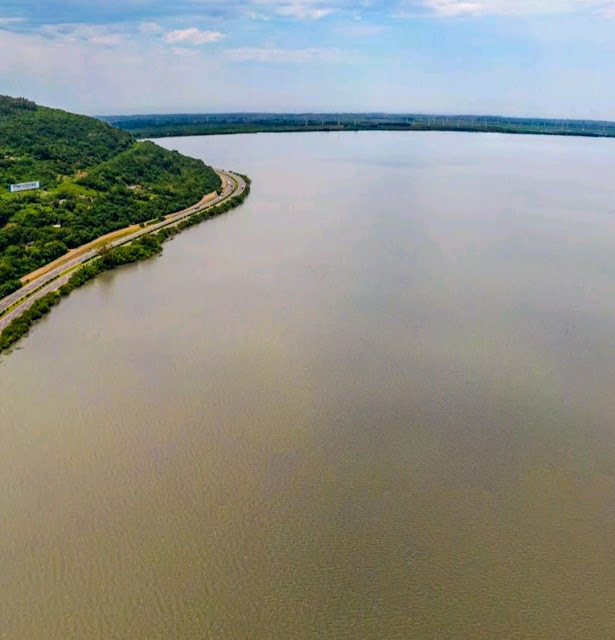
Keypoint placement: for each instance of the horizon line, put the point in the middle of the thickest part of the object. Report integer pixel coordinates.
(354, 113)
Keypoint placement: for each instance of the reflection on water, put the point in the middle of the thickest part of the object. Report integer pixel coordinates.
(374, 402)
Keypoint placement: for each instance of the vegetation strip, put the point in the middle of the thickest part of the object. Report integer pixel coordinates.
(117, 242)
(139, 249)
(163, 125)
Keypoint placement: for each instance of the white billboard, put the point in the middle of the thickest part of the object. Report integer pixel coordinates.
(24, 186)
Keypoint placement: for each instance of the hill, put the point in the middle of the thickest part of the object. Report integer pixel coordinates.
(95, 179)
(47, 143)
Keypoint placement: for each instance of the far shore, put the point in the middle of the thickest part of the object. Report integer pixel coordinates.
(176, 125)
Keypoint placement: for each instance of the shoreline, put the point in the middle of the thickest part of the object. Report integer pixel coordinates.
(182, 131)
(97, 243)
(147, 244)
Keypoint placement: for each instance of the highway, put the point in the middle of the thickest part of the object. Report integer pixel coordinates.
(233, 185)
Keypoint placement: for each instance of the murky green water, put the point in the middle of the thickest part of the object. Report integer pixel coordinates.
(375, 402)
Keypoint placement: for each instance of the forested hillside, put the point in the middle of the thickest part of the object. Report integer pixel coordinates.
(48, 143)
(95, 179)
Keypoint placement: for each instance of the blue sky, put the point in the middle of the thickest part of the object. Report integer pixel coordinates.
(517, 57)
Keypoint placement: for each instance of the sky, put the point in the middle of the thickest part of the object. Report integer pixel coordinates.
(512, 57)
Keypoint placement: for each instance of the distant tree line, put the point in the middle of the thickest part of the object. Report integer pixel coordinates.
(153, 126)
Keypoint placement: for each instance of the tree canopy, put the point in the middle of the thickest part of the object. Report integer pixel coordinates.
(95, 179)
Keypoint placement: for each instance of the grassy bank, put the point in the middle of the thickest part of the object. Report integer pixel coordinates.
(142, 248)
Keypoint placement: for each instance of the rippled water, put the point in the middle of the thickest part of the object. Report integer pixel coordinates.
(377, 401)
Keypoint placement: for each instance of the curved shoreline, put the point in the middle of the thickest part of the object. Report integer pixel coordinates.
(146, 127)
(43, 292)
(153, 135)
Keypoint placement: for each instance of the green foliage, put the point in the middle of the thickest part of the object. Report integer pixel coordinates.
(147, 164)
(8, 287)
(96, 180)
(142, 248)
(158, 126)
(21, 325)
(37, 143)
(10, 105)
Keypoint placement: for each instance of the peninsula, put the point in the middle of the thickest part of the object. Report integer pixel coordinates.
(79, 196)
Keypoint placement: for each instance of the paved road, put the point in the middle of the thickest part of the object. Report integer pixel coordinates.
(233, 185)
(28, 302)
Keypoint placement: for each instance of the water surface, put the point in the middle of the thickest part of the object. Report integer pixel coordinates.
(376, 401)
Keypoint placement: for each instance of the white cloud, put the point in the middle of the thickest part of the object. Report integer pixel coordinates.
(456, 7)
(150, 28)
(450, 8)
(182, 51)
(5, 21)
(360, 30)
(76, 74)
(284, 56)
(110, 40)
(299, 9)
(301, 12)
(93, 34)
(316, 9)
(193, 36)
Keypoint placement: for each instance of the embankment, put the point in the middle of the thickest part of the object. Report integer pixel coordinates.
(142, 248)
